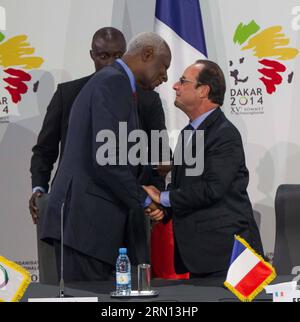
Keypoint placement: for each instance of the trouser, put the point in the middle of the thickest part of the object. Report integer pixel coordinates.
(81, 267)
(46, 253)
(180, 267)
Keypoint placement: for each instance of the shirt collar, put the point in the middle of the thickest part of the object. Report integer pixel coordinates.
(129, 74)
(197, 122)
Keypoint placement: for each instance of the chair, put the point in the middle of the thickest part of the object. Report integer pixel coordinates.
(257, 218)
(46, 253)
(287, 240)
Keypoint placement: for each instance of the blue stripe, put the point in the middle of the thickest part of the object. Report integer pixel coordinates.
(238, 248)
(184, 17)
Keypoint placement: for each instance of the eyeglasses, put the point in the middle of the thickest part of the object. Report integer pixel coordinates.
(183, 80)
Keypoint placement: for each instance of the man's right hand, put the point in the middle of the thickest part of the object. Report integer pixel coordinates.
(34, 211)
(155, 211)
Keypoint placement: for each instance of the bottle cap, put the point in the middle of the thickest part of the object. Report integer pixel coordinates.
(122, 250)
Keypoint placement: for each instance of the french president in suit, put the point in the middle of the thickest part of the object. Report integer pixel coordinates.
(208, 208)
(103, 205)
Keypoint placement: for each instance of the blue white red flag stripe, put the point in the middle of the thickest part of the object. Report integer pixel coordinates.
(179, 22)
(248, 272)
(256, 276)
(238, 248)
(184, 18)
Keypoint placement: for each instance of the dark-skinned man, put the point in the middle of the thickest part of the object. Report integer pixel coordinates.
(103, 203)
(108, 44)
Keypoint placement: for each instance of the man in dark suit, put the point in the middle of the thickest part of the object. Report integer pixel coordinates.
(208, 209)
(103, 205)
(108, 44)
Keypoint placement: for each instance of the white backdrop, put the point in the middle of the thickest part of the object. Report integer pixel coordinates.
(61, 32)
(269, 129)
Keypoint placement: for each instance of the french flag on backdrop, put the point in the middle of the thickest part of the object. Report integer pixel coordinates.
(179, 22)
(248, 273)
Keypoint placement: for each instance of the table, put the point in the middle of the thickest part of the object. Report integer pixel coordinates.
(194, 290)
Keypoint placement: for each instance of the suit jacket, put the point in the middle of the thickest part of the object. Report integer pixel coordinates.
(102, 204)
(52, 137)
(209, 209)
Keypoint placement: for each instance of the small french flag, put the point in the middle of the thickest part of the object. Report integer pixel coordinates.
(248, 273)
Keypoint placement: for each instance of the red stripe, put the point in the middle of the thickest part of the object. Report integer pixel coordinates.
(250, 282)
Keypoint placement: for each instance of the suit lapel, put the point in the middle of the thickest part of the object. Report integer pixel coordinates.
(134, 96)
(210, 120)
(178, 156)
(135, 111)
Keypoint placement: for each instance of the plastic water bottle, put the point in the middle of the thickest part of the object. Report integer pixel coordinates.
(123, 273)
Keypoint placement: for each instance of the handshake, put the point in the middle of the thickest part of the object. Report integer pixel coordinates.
(155, 210)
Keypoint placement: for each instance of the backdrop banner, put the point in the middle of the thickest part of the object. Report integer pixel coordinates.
(262, 43)
(43, 43)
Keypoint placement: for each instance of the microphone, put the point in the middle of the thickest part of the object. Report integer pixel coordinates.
(62, 283)
(62, 297)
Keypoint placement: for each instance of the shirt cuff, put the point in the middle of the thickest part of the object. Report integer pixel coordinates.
(165, 198)
(35, 189)
(147, 202)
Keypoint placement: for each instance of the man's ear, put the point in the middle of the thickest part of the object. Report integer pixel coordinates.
(147, 53)
(91, 54)
(205, 90)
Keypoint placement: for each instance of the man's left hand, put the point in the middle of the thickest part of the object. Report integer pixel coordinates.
(153, 193)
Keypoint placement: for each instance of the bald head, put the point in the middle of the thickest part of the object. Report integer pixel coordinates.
(108, 44)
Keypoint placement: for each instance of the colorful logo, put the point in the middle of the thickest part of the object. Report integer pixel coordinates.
(16, 56)
(271, 47)
(3, 277)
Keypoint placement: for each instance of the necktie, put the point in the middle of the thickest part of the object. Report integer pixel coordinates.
(186, 134)
(182, 142)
